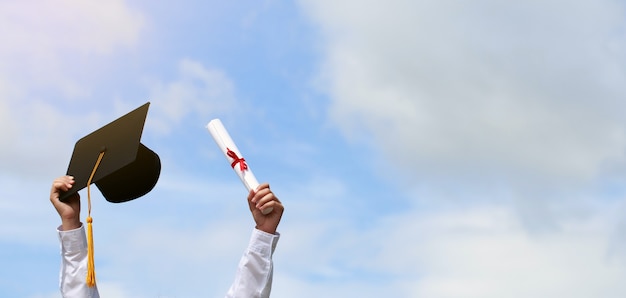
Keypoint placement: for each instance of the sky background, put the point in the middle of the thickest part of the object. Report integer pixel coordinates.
(421, 148)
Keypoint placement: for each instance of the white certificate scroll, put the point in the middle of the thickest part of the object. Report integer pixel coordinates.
(234, 157)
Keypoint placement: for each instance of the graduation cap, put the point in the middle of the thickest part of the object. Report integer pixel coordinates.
(127, 169)
(122, 168)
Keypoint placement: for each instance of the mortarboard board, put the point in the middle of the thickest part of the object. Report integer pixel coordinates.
(128, 169)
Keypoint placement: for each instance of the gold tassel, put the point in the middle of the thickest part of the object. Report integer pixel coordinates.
(91, 270)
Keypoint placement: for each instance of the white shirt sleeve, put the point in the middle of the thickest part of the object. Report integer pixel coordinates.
(72, 278)
(254, 274)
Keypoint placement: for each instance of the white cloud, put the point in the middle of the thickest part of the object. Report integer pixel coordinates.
(482, 251)
(37, 27)
(6, 119)
(113, 289)
(44, 42)
(486, 111)
(197, 91)
(480, 89)
(40, 138)
(486, 252)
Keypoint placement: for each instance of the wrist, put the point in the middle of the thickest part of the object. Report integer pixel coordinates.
(70, 224)
(267, 230)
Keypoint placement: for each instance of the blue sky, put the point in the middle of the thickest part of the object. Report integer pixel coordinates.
(421, 148)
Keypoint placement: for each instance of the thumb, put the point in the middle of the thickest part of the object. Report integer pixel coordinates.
(251, 204)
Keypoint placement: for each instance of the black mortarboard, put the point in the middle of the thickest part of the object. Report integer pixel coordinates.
(128, 169)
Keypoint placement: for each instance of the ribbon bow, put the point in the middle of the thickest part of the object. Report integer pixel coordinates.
(236, 159)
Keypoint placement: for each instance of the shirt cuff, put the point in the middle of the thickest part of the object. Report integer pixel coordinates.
(262, 242)
(73, 240)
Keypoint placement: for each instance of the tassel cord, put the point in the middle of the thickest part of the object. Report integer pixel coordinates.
(91, 271)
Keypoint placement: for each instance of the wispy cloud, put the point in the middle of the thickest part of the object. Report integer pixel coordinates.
(197, 92)
(480, 92)
(501, 123)
(42, 51)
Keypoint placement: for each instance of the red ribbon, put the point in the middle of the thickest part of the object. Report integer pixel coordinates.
(242, 162)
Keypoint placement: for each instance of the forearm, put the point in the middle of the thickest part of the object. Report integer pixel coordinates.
(254, 274)
(74, 264)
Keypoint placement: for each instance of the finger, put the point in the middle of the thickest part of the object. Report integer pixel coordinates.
(60, 186)
(262, 196)
(269, 204)
(251, 203)
(63, 183)
(260, 193)
(265, 203)
(273, 205)
(251, 195)
(262, 187)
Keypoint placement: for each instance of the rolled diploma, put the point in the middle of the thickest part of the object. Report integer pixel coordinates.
(224, 142)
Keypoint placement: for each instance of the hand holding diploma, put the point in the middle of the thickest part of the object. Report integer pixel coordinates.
(235, 159)
(261, 200)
